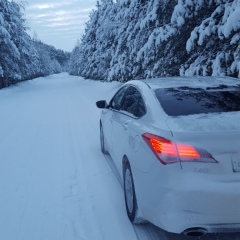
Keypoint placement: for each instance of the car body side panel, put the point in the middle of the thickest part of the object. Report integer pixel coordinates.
(119, 138)
(141, 156)
(106, 121)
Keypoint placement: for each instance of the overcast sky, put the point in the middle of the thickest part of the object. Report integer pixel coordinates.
(58, 22)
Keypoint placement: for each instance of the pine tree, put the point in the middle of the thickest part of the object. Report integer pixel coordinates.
(138, 39)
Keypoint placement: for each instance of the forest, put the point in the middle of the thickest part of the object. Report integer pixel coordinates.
(22, 57)
(129, 39)
(136, 39)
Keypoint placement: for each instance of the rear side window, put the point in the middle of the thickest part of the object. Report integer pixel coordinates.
(187, 101)
(133, 102)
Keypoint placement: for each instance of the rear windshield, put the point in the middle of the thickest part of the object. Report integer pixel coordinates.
(186, 101)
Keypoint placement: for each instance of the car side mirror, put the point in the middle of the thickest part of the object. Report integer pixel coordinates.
(101, 104)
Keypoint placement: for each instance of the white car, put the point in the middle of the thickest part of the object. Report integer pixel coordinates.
(176, 144)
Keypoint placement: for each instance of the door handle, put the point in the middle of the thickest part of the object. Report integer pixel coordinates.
(125, 125)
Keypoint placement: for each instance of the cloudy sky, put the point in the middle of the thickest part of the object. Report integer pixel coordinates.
(58, 22)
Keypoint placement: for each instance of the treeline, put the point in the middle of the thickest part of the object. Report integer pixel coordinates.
(135, 39)
(21, 57)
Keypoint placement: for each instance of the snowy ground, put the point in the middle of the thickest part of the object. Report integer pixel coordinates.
(54, 182)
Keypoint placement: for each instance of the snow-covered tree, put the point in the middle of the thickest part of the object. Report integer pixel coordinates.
(149, 38)
(93, 55)
(9, 54)
(19, 55)
(215, 43)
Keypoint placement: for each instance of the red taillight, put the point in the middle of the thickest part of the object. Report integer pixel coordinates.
(168, 152)
(186, 151)
(163, 147)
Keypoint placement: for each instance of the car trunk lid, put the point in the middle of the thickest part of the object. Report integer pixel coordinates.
(218, 134)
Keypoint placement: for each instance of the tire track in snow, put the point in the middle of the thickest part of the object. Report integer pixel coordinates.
(89, 170)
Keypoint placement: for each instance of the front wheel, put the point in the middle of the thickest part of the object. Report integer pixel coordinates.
(130, 196)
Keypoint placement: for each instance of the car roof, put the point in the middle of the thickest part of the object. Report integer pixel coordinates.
(193, 82)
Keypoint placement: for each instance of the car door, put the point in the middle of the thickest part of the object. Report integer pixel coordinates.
(114, 106)
(121, 125)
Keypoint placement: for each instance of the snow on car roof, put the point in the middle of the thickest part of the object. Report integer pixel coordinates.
(194, 82)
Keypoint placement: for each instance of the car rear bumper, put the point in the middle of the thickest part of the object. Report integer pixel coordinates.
(180, 200)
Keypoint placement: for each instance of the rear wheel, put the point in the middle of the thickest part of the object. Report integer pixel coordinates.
(130, 196)
(103, 149)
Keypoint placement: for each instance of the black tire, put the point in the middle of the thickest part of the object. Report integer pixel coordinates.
(130, 196)
(102, 142)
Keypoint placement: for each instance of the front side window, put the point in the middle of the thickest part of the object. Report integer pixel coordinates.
(133, 102)
(116, 101)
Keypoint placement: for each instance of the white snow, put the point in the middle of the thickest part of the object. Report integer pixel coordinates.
(217, 69)
(4, 32)
(55, 183)
(1, 71)
(215, 123)
(232, 16)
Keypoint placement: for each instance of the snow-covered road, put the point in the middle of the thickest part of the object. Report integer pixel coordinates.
(55, 184)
